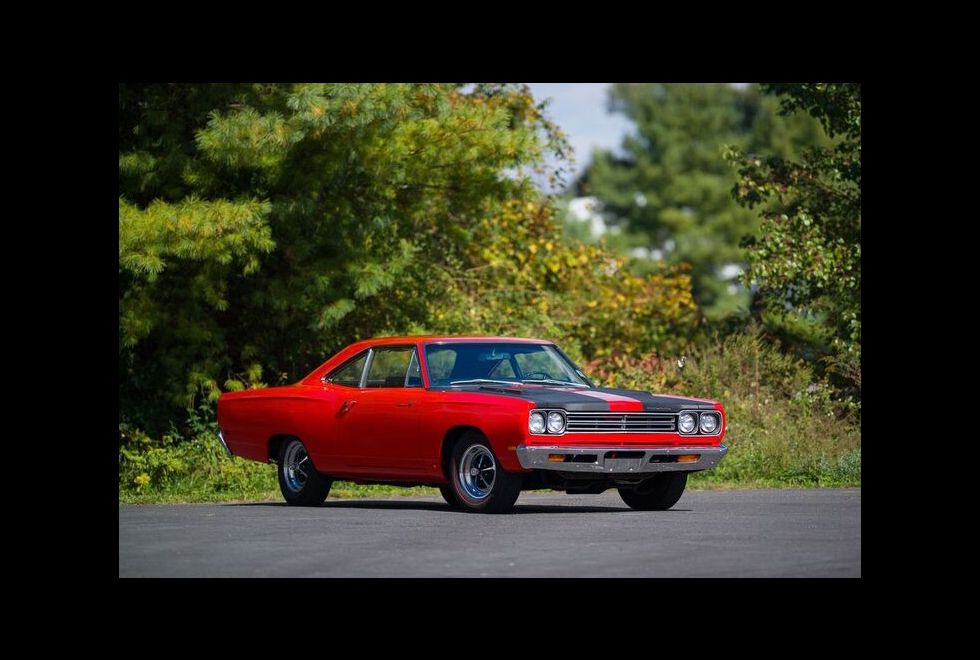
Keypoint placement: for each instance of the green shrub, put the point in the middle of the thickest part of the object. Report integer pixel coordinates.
(785, 426)
(195, 469)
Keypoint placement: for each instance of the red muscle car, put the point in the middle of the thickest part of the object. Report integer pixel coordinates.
(480, 418)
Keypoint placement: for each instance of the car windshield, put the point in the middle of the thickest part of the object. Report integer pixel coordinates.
(480, 363)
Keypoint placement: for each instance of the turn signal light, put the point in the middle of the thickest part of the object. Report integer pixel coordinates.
(556, 458)
(689, 458)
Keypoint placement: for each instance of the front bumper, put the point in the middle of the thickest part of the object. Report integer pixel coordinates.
(619, 460)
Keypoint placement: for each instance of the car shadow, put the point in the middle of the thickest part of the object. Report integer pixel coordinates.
(519, 509)
(560, 508)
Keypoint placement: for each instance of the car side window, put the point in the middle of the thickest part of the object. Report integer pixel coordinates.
(349, 373)
(389, 366)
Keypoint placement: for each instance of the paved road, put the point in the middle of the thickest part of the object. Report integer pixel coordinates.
(771, 533)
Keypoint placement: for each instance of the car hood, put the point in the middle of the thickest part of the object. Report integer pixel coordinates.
(600, 399)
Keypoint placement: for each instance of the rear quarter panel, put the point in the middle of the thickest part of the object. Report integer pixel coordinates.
(251, 418)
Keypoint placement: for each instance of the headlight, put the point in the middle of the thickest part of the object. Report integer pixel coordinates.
(536, 422)
(709, 422)
(556, 422)
(686, 422)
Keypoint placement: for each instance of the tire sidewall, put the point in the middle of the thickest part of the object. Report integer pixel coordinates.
(449, 494)
(506, 486)
(462, 497)
(313, 492)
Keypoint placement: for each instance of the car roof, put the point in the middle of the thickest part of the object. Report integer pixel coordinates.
(438, 339)
(359, 346)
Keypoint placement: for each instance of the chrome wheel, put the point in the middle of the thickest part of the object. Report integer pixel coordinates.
(477, 472)
(294, 466)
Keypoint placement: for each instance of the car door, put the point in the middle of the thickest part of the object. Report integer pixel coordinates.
(341, 387)
(377, 428)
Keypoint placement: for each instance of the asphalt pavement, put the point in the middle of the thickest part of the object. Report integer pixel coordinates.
(742, 533)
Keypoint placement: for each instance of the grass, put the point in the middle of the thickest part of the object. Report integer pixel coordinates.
(345, 490)
(340, 490)
(261, 485)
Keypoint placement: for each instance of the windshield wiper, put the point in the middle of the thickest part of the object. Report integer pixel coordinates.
(474, 381)
(552, 381)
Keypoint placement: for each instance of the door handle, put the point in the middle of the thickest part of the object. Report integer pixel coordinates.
(405, 405)
(347, 406)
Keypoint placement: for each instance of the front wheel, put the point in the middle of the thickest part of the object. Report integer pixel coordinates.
(299, 481)
(479, 483)
(658, 493)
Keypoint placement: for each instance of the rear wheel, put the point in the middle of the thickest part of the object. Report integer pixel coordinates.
(300, 483)
(658, 493)
(478, 482)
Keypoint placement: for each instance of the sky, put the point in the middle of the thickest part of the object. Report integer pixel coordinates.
(580, 110)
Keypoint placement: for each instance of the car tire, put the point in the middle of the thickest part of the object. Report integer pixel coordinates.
(449, 495)
(299, 481)
(657, 493)
(478, 482)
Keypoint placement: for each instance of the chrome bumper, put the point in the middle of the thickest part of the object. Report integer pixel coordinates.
(607, 460)
(221, 439)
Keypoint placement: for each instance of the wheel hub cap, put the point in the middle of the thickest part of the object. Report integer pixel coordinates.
(477, 472)
(294, 467)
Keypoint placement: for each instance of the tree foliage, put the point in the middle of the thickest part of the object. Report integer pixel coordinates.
(806, 256)
(264, 226)
(522, 278)
(669, 186)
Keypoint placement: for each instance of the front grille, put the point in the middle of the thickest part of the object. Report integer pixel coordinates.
(583, 422)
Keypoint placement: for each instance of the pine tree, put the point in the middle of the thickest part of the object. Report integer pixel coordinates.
(670, 187)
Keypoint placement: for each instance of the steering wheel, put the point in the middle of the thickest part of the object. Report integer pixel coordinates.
(537, 374)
